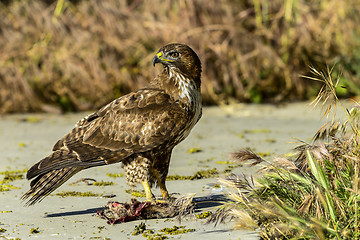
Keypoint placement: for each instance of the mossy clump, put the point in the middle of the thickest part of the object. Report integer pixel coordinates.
(198, 175)
(31, 119)
(228, 168)
(7, 187)
(103, 183)
(257, 131)
(203, 215)
(115, 175)
(10, 176)
(13, 175)
(138, 229)
(194, 150)
(177, 177)
(205, 174)
(13, 171)
(263, 154)
(156, 236)
(223, 162)
(175, 230)
(77, 194)
(100, 228)
(34, 230)
(136, 193)
(161, 235)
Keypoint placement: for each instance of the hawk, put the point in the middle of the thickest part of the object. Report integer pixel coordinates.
(139, 130)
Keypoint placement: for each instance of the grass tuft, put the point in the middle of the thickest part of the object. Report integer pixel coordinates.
(312, 196)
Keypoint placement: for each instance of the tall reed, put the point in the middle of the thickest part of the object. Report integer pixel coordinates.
(78, 55)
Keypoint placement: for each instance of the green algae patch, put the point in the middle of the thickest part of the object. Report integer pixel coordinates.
(138, 229)
(177, 177)
(34, 230)
(10, 176)
(270, 140)
(148, 233)
(257, 131)
(263, 154)
(240, 135)
(161, 234)
(32, 119)
(223, 162)
(6, 187)
(115, 175)
(175, 230)
(77, 194)
(136, 193)
(100, 228)
(103, 183)
(156, 236)
(203, 215)
(228, 168)
(198, 175)
(194, 150)
(205, 174)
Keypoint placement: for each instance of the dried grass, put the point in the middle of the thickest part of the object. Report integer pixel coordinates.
(315, 195)
(81, 54)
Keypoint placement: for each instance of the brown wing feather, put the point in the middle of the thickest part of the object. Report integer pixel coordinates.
(45, 184)
(137, 122)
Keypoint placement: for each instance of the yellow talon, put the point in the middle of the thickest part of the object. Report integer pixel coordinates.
(149, 195)
(164, 191)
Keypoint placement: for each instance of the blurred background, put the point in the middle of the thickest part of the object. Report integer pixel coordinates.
(60, 56)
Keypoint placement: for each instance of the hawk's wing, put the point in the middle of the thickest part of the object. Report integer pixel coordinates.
(136, 122)
(133, 123)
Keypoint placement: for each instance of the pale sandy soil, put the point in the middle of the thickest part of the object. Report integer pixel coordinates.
(264, 128)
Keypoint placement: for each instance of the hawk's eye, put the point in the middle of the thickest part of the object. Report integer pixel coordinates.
(174, 54)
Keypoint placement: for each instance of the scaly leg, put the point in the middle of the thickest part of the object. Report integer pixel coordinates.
(164, 191)
(149, 195)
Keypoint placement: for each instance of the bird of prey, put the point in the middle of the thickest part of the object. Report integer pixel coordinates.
(139, 130)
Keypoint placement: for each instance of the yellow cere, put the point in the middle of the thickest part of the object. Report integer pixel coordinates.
(159, 55)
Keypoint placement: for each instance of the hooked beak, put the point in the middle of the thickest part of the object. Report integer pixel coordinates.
(157, 58)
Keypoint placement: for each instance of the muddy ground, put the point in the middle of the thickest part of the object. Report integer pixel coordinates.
(26, 138)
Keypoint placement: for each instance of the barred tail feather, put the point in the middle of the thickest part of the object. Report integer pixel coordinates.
(45, 184)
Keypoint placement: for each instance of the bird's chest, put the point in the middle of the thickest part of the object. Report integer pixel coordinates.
(194, 114)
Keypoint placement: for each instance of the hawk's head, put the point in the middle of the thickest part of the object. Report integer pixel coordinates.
(181, 58)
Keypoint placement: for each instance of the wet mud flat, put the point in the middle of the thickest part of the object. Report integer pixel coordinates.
(196, 164)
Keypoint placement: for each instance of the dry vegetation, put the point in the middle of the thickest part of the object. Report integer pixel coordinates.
(79, 55)
(313, 196)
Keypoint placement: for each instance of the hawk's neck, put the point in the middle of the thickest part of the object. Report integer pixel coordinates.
(180, 87)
